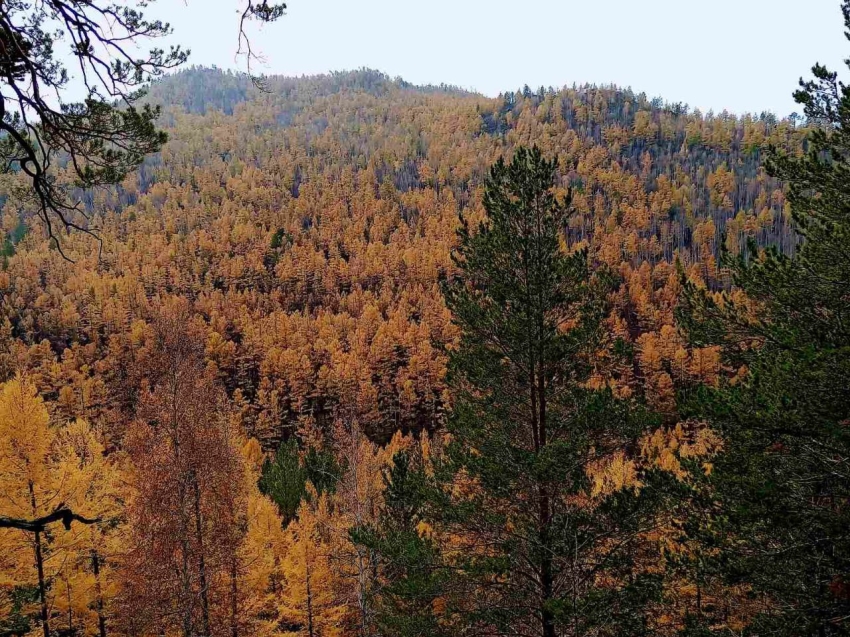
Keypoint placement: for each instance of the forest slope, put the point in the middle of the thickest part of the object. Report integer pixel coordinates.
(310, 226)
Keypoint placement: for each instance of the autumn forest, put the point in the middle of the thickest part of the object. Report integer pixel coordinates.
(342, 356)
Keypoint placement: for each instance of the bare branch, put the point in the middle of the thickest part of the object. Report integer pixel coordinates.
(62, 514)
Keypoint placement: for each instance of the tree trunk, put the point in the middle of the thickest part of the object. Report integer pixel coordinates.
(202, 566)
(101, 618)
(234, 600)
(362, 594)
(538, 387)
(186, 591)
(42, 593)
(310, 628)
(70, 608)
(546, 574)
(188, 600)
(39, 565)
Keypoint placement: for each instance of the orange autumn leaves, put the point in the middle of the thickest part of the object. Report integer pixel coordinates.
(185, 540)
(308, 576)
(313, 253)
(310, 228)
(42, 468)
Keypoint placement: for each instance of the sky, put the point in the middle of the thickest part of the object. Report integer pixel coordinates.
(735, 55)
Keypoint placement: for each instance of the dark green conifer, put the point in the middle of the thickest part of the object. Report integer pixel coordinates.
(525, 426)
(784, 481)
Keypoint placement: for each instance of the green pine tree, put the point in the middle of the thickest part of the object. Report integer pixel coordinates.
(784, 480)
(510, 486)
(284, 478)
(414, 576)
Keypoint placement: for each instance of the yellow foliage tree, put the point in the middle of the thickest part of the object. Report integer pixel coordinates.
(43, 469)
(85, 583)
(28, 487)
(258, 581)
(309, 602)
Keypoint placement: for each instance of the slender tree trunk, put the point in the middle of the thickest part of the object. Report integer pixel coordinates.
(546, 584)
(363, 560)
(538, 415)
(186, 585)
(39, 566)
(187, 601)
(310, 628)
(546, 574)
(538, 403)
(202, 566)
(699, 594)
(234, 600)
(362, 594)
(42, 592)
(188, 604)
(101, 618)
(538, 429)
(70, 608)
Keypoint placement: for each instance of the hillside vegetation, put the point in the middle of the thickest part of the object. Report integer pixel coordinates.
(290, 369)
(310, 226)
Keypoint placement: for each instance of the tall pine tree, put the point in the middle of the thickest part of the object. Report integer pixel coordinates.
(527, 546)
(785, 478)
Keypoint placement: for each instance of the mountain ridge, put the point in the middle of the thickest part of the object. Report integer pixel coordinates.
(377, 82)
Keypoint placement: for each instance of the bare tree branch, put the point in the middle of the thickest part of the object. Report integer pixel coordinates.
(99, 140)
(62, 514)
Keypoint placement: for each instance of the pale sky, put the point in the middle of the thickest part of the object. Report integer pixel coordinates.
(740, 55)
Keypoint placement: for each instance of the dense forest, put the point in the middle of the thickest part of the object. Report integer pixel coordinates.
(310, 228)
(350, 356)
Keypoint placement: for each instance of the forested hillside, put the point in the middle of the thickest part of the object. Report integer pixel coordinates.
(309, 226)
(266, 328)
